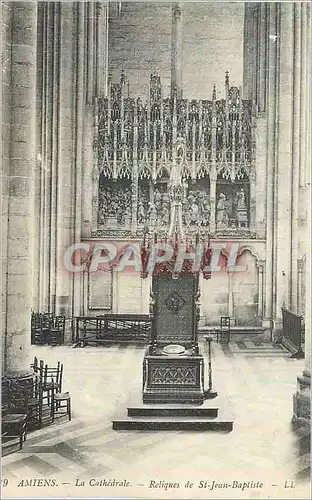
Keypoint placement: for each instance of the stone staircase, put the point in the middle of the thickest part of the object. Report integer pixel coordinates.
(174, 418)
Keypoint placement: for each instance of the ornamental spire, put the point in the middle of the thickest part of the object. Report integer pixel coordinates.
(177, 192)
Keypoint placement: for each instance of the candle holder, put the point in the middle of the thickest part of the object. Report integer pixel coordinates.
(210, 393)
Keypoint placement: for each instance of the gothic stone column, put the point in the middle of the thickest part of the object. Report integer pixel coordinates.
(21, 189)
(302, 397)
(261, 268)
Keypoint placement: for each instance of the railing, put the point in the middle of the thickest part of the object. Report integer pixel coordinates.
(113, 328)
(293, 333)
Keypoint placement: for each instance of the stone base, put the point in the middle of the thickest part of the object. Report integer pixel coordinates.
(277, 330)
(174, 417)
(173, 379)
(302, 401)
(202, 322)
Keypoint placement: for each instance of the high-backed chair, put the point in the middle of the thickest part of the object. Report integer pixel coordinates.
(51, 379)
(224, 331)
(57, 331)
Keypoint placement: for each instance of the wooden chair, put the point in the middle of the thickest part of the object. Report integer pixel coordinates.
(46, 325)
(36, 329)
(51, 378)
(35, 404)
(14, 418)
(35, 365)
(57, 331)
(224, 332)
(60, 401)
(14, 427)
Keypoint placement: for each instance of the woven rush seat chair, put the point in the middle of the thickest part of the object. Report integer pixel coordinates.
(61, 405)
(14, 417)
(14, 425)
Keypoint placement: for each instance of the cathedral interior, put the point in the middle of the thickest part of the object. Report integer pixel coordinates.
(99, 101)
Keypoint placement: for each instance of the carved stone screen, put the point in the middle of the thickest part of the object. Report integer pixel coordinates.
(175, 309)
(100, 290)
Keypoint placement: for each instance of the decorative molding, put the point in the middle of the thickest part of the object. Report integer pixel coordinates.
(173, 375)
(249, 248)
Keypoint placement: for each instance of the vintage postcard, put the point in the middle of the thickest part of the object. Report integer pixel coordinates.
(156, 203)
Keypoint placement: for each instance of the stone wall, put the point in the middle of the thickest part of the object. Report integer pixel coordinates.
(5, 122)
(140, 43)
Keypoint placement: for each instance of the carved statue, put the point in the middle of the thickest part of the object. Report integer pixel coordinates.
(194, 212)
(157, 199)
(241, 209)
(205, 211)
(222, 215)
(165, 208)
(152, 214)
(240, 200)
(141, 213)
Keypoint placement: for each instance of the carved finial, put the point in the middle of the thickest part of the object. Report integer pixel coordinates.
(214, 92)
(122, 77)
(177, 9)
(227, 80)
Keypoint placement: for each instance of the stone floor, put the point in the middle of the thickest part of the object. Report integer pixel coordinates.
(255, 381)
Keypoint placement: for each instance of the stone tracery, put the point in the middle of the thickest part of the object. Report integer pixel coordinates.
(135, 143)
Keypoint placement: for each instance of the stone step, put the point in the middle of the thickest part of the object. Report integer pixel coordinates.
(172, 424)
(236, 330)
(174, 411)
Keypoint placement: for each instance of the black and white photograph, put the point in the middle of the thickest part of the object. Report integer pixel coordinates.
(156, 249)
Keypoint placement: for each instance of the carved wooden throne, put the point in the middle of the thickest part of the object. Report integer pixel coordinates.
(173, 369)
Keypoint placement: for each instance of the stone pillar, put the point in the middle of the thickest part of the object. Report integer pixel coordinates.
(176, 50)
(231, 298)
(304, 82)
(102, 49)
(19, 270)
(213, 195)
(284, 148)
(262, 50)
(91, 37)
(250, 51)
(65, 159)
(295, 157)
(88, 166)
(301, 267)
(302, 397)
(260, 266)
(77, 171)
(270, 159)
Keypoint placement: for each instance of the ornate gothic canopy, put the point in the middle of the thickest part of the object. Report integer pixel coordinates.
(135, 150)
(136, 138)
